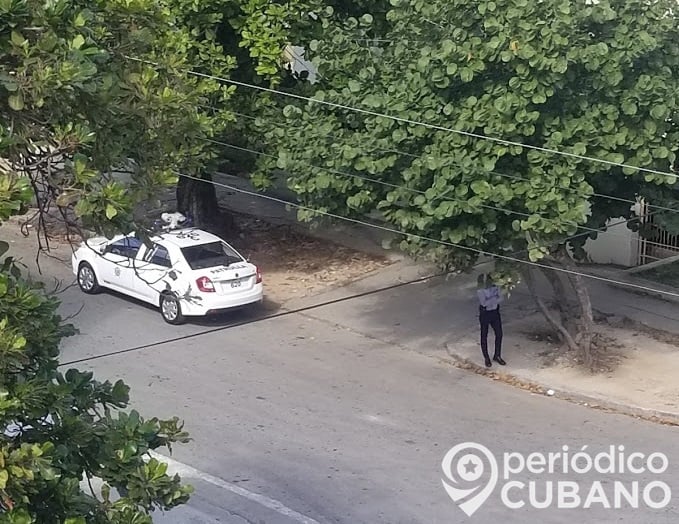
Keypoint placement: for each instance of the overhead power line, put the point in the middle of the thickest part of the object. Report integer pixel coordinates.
(605, 229)
(250, 321)
(158, 343)
(417, 123)
(509, 258)
(493, 172)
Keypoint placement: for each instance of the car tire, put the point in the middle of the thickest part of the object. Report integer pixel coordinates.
(87, 279)
(171, 309)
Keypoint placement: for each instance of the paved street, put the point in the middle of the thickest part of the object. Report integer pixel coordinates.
(344, 414)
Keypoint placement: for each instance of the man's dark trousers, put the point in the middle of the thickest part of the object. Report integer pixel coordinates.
(493, 319)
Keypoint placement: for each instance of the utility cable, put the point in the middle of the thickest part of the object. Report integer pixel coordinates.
(251, 321)
(415, 122)
(329, 302)
(493, 172)
(443, 195)
(433, 240)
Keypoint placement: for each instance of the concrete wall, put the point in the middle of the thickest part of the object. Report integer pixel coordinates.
(617, 245)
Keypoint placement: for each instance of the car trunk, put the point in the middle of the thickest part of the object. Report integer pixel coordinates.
(232, 279)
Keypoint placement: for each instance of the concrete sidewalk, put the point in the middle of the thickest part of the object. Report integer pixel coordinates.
(438, 317)
(638, 360)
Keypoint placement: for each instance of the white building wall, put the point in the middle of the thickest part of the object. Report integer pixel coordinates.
(618, 245)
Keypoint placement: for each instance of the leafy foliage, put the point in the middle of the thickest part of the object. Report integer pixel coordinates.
(97, 112)
(560, 76)
(59, 428)
(99, 109)
(589, 79)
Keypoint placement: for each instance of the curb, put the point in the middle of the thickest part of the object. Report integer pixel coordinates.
(658, 290)
(667, 418)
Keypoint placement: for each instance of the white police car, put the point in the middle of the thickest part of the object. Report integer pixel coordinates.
(184, 272)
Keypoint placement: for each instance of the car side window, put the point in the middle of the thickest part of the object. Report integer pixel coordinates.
(125, 247)
(159, 256)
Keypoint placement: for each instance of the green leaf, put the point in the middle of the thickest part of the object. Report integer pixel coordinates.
(78, 42)
(480, 187)
(629, 108)
(16, 101)
(659, 112)
(354, 86)
(80, 20)
(534, 254)
(322, 181)
(111, 211)
(367, 19)
(17, 39)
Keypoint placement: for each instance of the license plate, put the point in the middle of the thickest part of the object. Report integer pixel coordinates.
(236, 283)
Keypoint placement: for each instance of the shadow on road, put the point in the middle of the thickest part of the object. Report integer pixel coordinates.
(222, 318)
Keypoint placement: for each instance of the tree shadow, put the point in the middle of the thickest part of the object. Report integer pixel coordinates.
(422, 316)
(224, 318)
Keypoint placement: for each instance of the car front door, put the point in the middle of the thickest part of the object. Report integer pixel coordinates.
(115, 268)
(153, 272)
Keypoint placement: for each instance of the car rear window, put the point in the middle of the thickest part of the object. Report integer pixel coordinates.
(209, 255)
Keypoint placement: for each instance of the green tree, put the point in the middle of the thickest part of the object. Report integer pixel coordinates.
(97, 113)
(255, 35)
(91, 90)
(590, 79)
(59, 428)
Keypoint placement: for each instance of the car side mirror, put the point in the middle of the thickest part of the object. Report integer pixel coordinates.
(172, 275)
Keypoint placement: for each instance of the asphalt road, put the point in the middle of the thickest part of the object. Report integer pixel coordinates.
(344, 415)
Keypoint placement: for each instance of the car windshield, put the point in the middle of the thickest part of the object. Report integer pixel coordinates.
(213, 254)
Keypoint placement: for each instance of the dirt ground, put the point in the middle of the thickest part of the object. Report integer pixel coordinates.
(293, 265)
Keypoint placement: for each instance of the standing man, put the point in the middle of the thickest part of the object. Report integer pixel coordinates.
(490, 298)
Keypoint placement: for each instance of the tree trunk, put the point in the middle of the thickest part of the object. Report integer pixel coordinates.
(197, 199)
(575, 323)
(562, 297)
(553, 320)
(586, 324)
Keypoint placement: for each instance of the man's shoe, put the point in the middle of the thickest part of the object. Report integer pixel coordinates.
(488, 363)
(499, 361)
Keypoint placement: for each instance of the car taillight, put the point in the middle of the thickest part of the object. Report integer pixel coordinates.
(205, 285)
(259, 277)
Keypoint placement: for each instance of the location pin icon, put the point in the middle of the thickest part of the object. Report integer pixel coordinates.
(463, 467)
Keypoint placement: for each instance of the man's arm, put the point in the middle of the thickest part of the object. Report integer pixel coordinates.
(483, 300)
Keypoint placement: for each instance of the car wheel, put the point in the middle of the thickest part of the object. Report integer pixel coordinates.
(87, 280)
(171, 309)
